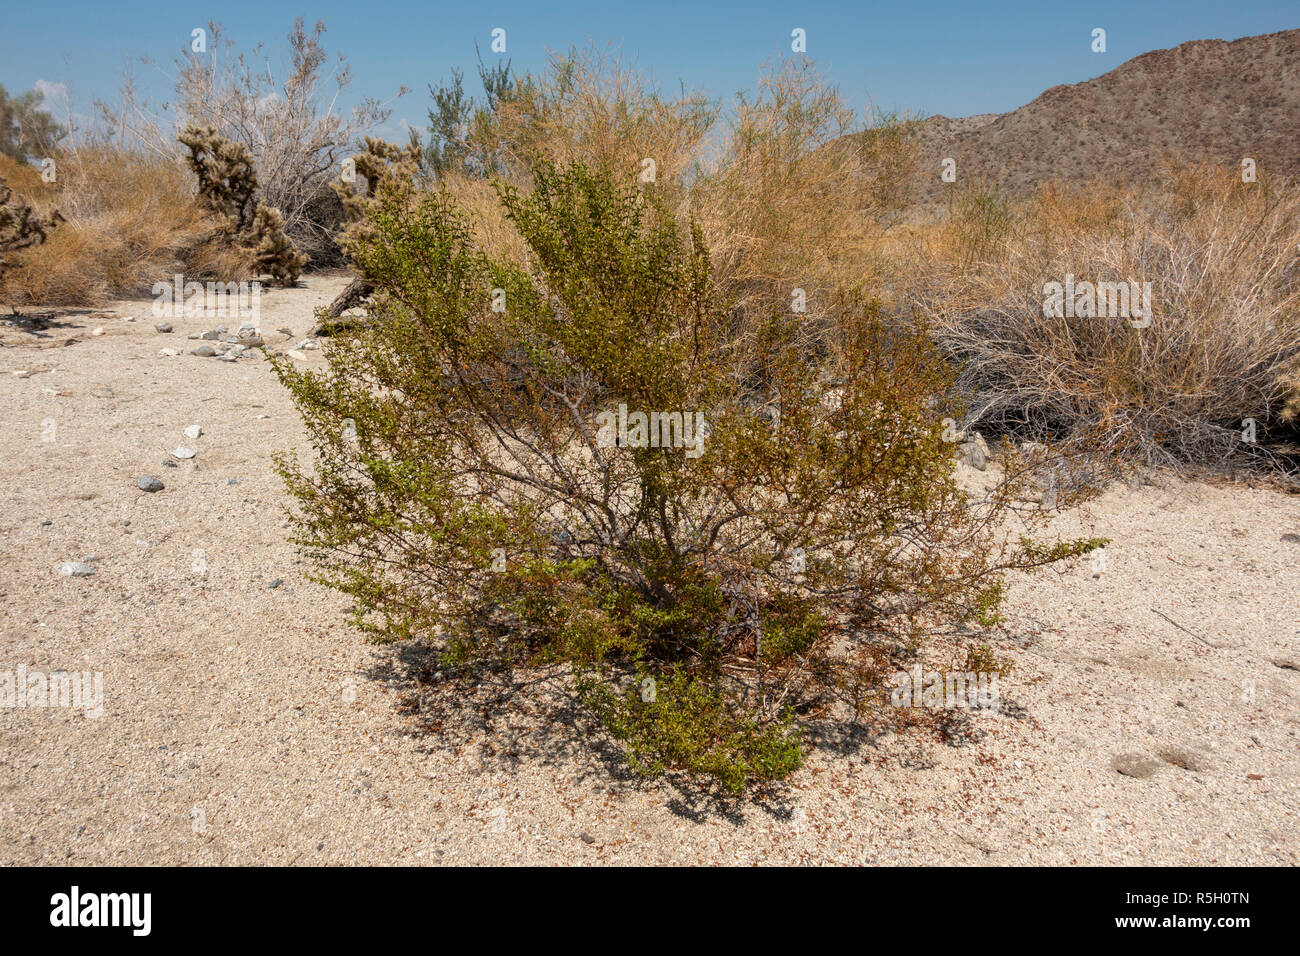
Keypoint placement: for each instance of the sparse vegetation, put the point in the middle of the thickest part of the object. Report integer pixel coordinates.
(132, 220)
(289, 126)
(1221, 257)
(227, 186)
(694, 601)
(21, 227)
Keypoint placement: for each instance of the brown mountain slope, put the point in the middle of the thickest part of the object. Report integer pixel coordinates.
(1208, 98)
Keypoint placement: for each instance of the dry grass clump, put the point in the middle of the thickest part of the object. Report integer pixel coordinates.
(591, 107)
(801, 190)
(788, 186)
(131, 221)
(1224, 330)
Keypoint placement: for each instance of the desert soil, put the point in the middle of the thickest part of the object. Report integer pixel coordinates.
(245, 723)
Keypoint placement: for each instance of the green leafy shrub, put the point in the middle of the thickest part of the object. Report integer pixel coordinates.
(474, 485)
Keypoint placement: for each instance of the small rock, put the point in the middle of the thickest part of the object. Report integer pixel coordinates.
(1287, 663)
(98, 331)
(1254, 776)
(46, 523)
(22, 373)
(169, 351)
(75, 569)
(276, 583)
(233, 481)
(228, 357)
(182, 452)
(972, 454)
(1291, 538)
(214, 334)
(149, 483)
(163, 326)
(308, 344)
(295, 354)
(1135, 765)
(251, 341)
(169, 463)
(206, 351)
(90, 558)
(193, 431)
(587, 838)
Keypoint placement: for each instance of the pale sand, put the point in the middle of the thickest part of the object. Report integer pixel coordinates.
(244, 724)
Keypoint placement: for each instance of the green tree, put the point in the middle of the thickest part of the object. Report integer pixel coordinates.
(26, 131)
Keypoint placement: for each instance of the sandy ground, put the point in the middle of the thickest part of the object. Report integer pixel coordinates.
(244, 723)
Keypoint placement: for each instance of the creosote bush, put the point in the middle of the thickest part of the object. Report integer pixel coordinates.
(583, 462)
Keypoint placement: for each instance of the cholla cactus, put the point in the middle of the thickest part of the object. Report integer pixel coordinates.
(273, 252)
(381, 164)
(21, 227)
(227, 181)
(381, 161)
(227, 184)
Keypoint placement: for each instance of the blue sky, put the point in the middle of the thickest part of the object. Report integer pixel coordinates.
(924, 57)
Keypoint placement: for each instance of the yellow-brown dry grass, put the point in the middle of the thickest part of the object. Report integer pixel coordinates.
(1224, 334)
(131, 221)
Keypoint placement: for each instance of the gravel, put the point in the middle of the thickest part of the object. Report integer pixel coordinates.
(275, 714)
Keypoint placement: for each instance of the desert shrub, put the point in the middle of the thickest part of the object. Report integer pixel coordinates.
(21, 226)
(1221, 258)
(227, 186)
(132, 220)
(589, 107)
(472, 487)
(289, 126)
(457, 121)
(791, 188)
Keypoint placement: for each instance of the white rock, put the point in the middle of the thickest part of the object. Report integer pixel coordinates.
(169, 351)
(194, 431)
(75, 569)
(22, 373)
(98, 331)
(182, 452)
(295, 354)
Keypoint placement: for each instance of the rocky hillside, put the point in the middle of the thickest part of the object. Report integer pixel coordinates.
(1214, 98)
